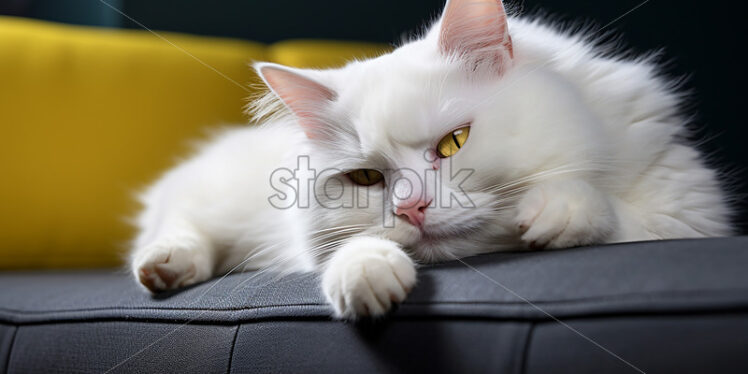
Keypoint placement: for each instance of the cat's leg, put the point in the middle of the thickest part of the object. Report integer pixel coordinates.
(178, 255)
(566, 213)
(366, 275)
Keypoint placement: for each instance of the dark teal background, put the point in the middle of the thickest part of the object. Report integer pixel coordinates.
(703, 41)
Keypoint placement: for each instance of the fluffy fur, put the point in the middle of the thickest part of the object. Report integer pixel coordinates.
(568, 146)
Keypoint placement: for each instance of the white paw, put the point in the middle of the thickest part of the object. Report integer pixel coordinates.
(170, 264)
(564, 214)
(366, 276)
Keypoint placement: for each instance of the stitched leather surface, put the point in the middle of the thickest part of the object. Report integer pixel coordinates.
(671, 306)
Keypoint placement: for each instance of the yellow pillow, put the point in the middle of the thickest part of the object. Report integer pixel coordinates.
(322, 54)
(90, 115)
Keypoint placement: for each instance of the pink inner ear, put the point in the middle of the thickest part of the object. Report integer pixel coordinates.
(306, 98)
(476, 30)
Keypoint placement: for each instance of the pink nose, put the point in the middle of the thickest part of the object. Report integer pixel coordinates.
(415, 212)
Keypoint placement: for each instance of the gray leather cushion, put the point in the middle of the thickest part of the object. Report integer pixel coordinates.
(661, 306)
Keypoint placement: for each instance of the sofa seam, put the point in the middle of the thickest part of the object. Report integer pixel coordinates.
(626, 297)
(394, 317)
(10, 348)
(233, 345)
(526, 348)
(462, 315)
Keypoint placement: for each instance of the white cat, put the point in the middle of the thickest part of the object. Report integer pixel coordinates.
(462, 142)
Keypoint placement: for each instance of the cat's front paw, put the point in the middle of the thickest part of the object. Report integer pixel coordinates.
(171, 264)
(366, 276)
(564, 214)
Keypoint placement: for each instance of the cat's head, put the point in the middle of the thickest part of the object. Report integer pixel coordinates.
(430, 145)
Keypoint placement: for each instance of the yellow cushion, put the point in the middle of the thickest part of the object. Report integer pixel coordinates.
(89, 116)
(320, 53)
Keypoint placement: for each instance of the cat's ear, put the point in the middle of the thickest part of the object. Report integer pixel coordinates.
(307, 99)
(476, 31)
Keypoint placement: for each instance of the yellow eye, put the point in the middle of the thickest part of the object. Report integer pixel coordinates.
(365, 177)
(452, 142)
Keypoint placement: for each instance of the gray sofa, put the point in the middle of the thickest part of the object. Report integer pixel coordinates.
(676, 306)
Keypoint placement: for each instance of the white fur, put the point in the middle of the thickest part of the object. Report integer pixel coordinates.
(370, 274)
(567, 147)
